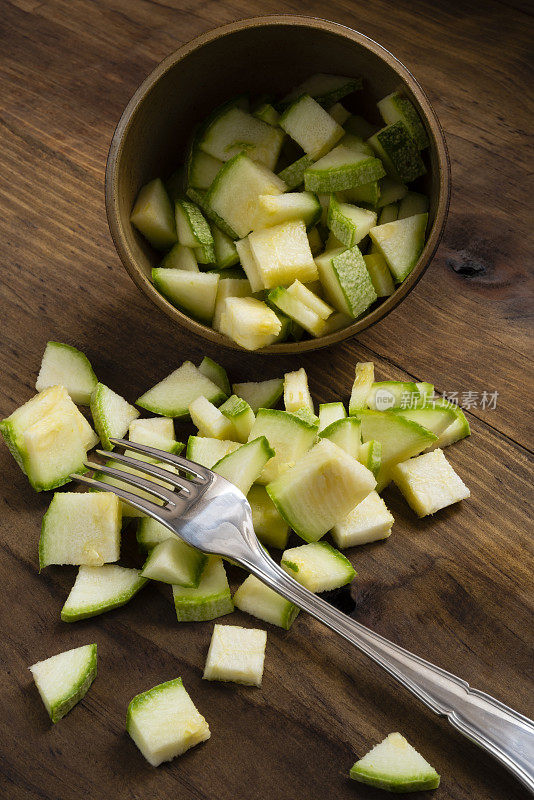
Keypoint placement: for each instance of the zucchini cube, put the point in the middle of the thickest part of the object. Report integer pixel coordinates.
(396, 766)
(342, 168)
(429, 483)
(236, 654)
(282, 254)
(318, 566)
(401, 242)
(398, 152)
(164, 722)
(63, 680)
(210, 599)
(270, 528)
(249, 322)
(81, 529)
(396, 107)
(346, 280)
(311, 126)
(257, 599)
(369, 521)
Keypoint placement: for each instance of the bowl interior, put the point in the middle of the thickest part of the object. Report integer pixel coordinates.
(267, 57)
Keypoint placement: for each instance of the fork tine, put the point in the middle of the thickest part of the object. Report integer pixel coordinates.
(150, 469)
(153, 510)
(199, 472)
(138, 481)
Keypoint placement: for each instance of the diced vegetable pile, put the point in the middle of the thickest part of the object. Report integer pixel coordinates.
(290, 219)
(312, 473)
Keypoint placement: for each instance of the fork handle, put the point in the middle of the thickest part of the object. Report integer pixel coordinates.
(503, 732)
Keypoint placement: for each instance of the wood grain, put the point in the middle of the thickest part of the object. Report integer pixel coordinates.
(455, 589)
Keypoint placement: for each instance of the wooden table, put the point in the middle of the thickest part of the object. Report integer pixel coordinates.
(454, 589)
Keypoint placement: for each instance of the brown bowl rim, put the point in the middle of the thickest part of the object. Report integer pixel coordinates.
(115, 150)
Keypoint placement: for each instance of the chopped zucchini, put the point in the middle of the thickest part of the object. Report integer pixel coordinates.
(359, 126)
(388, 213)
(263, 394)
(401, 243)
(426, 391)
(316, 243)
(112, 414)
(275, 209)
(199, 196)
(392, 394)
(394, 765)
(180, 257)
(318, 566)
(330, 412)
(326, 89)
(236, 654)
(337, 321)
(201, 168)
(457, 430)
(153, 215)
(48, 437)
(164, 722)
(250, 265)
(215, 373)
(339, 113)
(390, 191)
(282, 254)
(209, 420)
(249, 322)
(371, 455)
(235, 131)
(346, 433)
(349, 223)
(64, 679)
(288, 435)
(270, 528)
(231, 287)
(400, 438)
(296, 310)
(310, 298)
(296, 392)
(346, 281)
(369, 521)
(234, 193)
(150, 532)
(193, 231)
(100, 589)
(257, 599)
(211, 598)
(173, 561)
(156, 432)
(81, 529)
(226, 254)
(323, 486)
(342, 168)
(367, 195)
(267, 113)
(380, 274)
(413, 203)
(429, 483)
(396, 107)
(311, 126)
(361, 388)
(192, 292)
(207, 451)
(66, 366)
(398, 152)
(172, 396)
(240, 415)
(433, 417)
(243, 466)
(293, 175)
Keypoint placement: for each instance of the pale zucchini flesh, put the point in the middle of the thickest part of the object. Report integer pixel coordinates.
(243, 466)
(368, 521)
(346, 281)
(275, 209)
(235, 131)
(81, 529)
(192, 292)
(171, 396)
(396, 766)
(153, 215)
(257, 599)
(211, 598)
(400, 438)
(296, 391)
(175, 562)
(241, 416)
(380, 274)
(64, 679)
(231, 287)
(261, 394)
(209, 420)
(296, 310)
(100, 589)
(330, 412)
(363, 380)
(282, 254)
(207, 451)
(346, 434)
(112, 414)
(66, 366)
(236, 654)
(311, 126)
(270, 528)
(164, 722)
(249, 322)
(180, 257)
(324, 485)
(429, 483)
(288, 435)
(318, 566)
(349, 223)
(401, 243)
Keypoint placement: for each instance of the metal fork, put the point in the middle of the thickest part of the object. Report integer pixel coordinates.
(211, 514)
